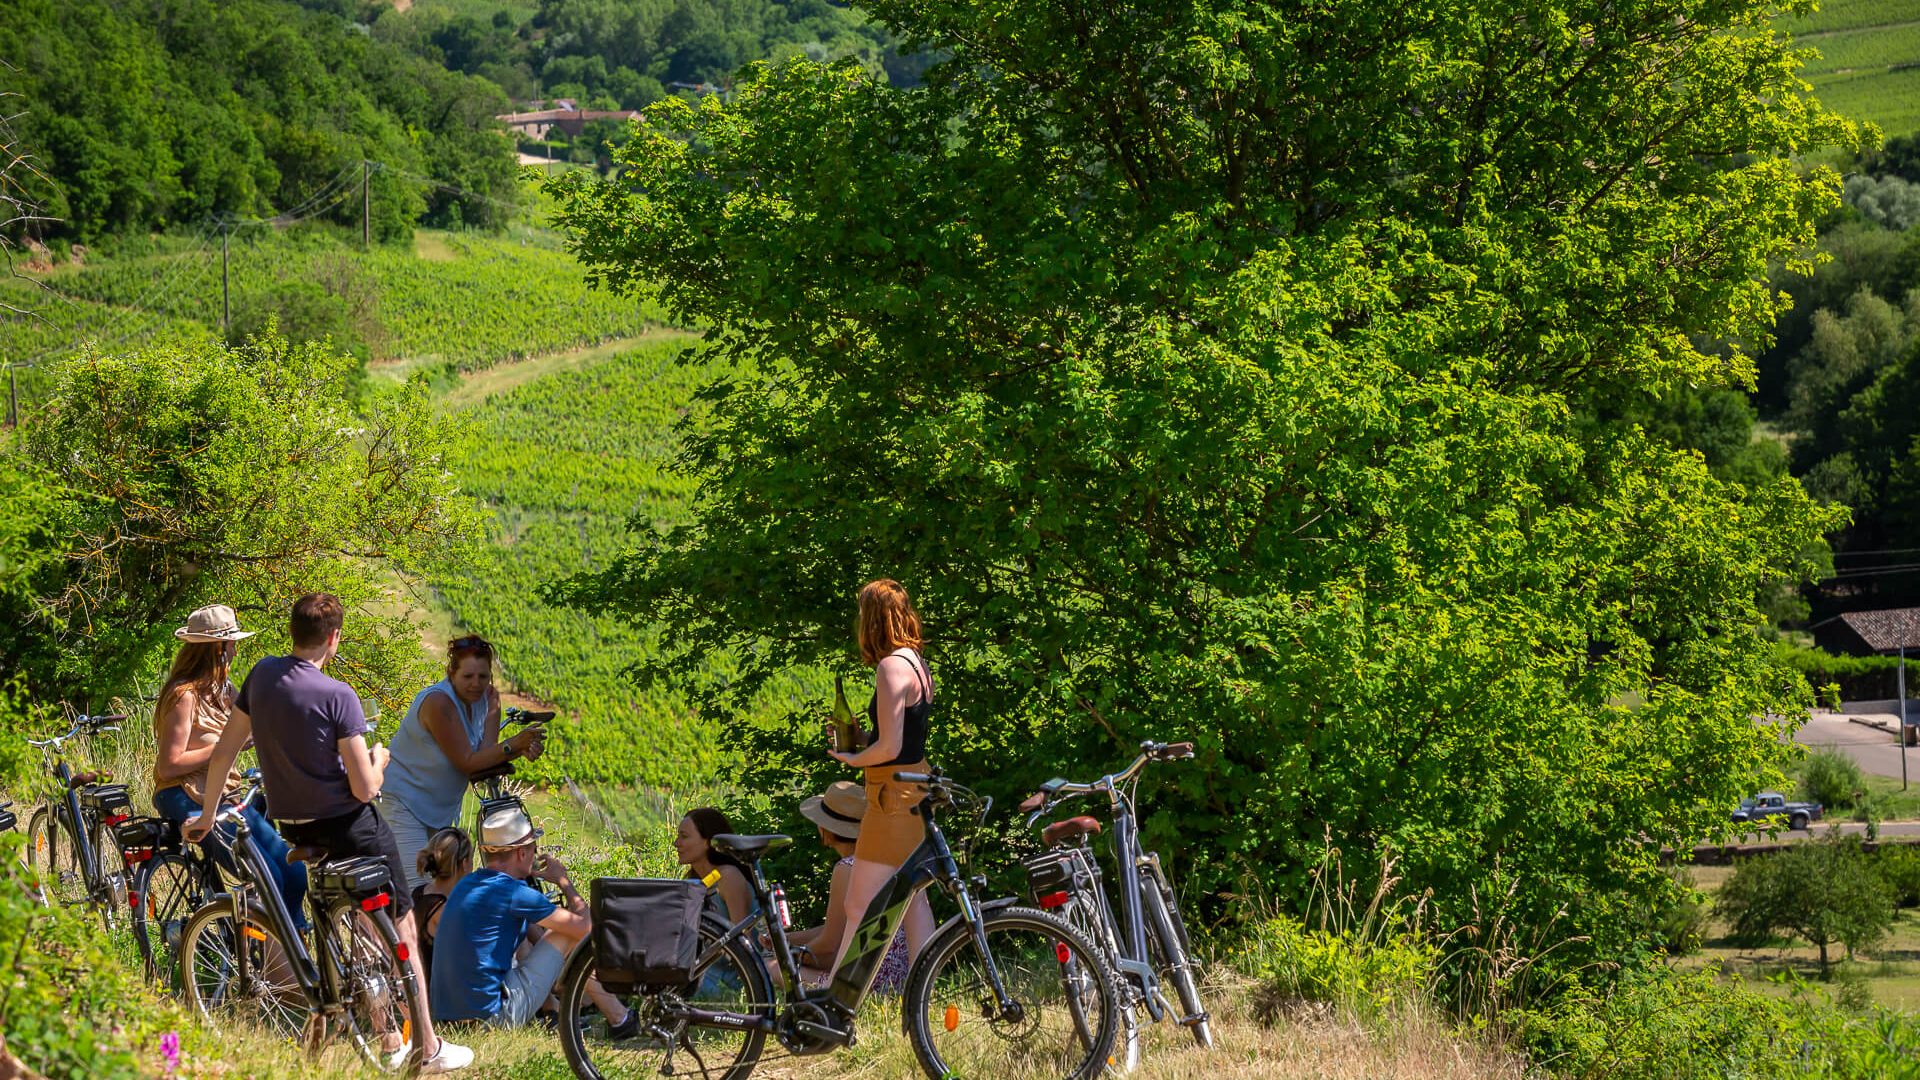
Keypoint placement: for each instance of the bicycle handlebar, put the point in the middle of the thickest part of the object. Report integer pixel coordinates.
(1054, 792)
(82, 725)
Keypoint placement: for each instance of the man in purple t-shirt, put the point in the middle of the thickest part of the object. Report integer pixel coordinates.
(320, 775)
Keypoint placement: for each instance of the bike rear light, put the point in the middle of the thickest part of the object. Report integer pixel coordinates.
(1061, 952)
(375, 902)
(1055, 899)
(138, 855)
(115, 819)
(401, 952)
(133, 901)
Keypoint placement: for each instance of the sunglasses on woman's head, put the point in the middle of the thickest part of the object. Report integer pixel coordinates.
(474, 642)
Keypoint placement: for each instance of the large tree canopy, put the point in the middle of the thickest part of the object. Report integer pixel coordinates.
(1229, 372)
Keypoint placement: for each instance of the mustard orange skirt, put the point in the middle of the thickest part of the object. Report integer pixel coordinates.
(891, 829)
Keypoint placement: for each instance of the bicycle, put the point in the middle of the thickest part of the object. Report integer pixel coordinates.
(982, 999)
(240, 956)
(86, 868)
(1147, 939)
(173, 880)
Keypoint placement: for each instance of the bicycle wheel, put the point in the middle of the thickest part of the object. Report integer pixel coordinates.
(735, 979)
(111, 874)
(216, 941)
(1051, 973)
(1167, 939)
(53, 861)
(1091, 917)
(384, 1005)
(168, 889)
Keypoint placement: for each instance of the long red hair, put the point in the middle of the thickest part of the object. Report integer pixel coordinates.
(887, 621)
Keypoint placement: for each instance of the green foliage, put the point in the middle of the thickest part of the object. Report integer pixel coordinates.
(1859, 678)
(1823, 892)
(1668, 1025)
(1900, 866)
(198, 473)
(1205, 382)
(1829, 777)
(141, 116)
(70, 1008)
(1366, 977)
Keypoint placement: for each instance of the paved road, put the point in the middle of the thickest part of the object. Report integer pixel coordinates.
(1847, 828)
(1875, 750)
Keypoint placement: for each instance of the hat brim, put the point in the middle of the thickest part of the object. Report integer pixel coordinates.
(195, 637)
(814, 809)
(536, 834)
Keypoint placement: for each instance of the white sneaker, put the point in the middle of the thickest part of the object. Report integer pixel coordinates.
(398, 1059)
(451, 1056)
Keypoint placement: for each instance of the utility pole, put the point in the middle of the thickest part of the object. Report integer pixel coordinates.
(1903, 718)
(226, 308)
(13, 396)
(366, 204)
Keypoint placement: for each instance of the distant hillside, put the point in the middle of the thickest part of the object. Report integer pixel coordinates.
(1869, 63)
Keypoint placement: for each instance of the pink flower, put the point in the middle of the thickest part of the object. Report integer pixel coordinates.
(170, 1049)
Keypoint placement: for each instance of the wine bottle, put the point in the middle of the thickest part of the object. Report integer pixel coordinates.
(843, 729)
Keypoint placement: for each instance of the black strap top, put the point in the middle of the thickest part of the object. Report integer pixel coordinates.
(913, 723)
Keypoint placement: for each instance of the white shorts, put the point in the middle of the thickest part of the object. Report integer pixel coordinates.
(409, 835)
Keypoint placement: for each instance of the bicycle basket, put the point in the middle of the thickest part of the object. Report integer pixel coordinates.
(146, 834)
(361, 878)
(646, 931)
(107, 801)
(1054, 876)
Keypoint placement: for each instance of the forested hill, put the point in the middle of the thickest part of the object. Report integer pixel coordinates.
(144, 116)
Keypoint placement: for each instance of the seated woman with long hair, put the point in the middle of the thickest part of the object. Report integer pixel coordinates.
(194, 705)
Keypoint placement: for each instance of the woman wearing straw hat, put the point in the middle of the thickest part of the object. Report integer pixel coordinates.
(187, 721)
(837, 813)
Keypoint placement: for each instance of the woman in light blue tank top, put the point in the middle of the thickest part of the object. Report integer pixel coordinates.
(450, 732)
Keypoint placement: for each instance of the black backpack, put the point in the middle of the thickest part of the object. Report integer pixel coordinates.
(646, 931)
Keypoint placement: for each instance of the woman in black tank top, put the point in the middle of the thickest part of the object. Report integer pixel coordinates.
(889, 634)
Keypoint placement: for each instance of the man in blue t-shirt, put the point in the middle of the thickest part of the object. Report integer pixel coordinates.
(488, 914)
(321, 777)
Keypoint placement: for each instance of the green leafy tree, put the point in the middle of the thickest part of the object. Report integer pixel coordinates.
(194, 474)
(1212, 372)
(1825, 892)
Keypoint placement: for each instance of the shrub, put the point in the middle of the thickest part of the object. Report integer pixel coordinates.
(1679, 922)
(1830, 778)
(1293, 963)
(1857, 678)
(70, 1007)
(1667, 1025)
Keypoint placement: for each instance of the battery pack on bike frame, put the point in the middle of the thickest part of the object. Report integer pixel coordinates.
(140, 837)
(363, 877)
(109, 802)
(1055, 876)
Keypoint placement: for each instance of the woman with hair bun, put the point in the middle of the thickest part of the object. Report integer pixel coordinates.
(446, 859)
(888, 632)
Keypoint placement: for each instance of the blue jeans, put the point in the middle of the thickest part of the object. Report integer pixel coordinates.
(290, 878)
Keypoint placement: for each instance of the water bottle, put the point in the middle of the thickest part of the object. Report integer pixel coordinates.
(780, 905)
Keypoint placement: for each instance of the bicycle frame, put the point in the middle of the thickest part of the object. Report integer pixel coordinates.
(933, 861)
(319, 982)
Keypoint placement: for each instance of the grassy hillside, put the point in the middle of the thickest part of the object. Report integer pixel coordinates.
(469, 300)
(1869, 63)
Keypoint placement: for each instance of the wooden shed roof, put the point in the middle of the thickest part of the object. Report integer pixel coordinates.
(1887, 630)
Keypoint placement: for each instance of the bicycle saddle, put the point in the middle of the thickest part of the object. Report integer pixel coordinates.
(1061, 831)
(505, 768)
(85, 778)
(748, 848)
(307, 853)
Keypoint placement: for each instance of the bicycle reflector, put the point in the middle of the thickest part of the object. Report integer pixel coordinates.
(1061, 952)
(952, 1019)
(401, 952)
(376, 902)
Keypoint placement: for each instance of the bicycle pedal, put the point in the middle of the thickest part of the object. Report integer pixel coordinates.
(1193, 1021)
(824, 1033)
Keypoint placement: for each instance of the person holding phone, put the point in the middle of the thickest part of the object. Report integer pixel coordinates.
(450, 732)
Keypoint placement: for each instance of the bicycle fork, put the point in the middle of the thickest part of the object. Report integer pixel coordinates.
(1011, 1011)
